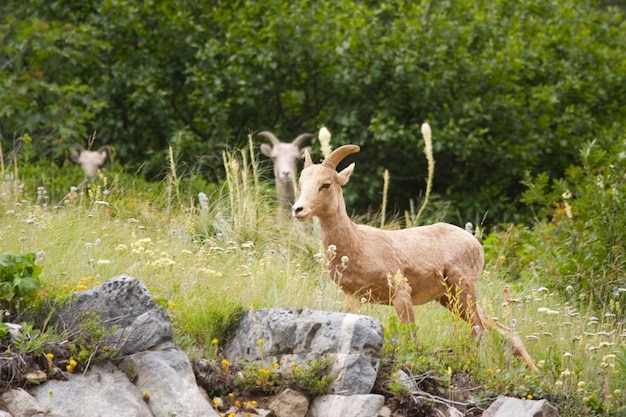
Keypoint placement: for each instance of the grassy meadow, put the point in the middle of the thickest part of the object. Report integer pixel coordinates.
(207, 259)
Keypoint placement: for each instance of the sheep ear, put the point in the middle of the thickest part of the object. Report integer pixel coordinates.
(266, 150)
(304, 150)
(307, 158)
(344, 176)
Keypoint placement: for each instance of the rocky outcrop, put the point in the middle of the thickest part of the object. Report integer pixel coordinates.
(153, 378)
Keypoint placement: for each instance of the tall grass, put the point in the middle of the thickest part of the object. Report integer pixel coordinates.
(207, 262)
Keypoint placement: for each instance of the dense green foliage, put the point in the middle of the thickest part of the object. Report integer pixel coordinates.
(508, 86)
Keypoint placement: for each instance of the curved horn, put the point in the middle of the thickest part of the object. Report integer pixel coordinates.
(269, 136)
(339, 154)
(301, 138)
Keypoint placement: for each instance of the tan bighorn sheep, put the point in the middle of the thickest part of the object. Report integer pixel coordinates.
(284, 156)
(403, 268)
(90, 161)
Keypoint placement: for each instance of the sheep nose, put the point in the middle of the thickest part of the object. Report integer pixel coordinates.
(297, 210)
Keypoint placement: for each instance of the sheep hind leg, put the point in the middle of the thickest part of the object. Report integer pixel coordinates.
(517, 346)
(462, 303)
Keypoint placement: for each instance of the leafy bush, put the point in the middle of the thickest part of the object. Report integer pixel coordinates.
(578, 244)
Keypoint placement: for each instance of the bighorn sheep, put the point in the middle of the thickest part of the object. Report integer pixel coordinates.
(284, 156)
(90, 161)
(403, 268)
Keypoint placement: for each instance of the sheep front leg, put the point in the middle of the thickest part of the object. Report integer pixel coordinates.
(403, 304)
(351, 303)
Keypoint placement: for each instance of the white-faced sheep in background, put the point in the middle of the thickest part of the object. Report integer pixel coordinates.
(403, 268)
(90, 161)
(284, 156)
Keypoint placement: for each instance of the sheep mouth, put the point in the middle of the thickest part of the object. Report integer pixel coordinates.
(301, 215)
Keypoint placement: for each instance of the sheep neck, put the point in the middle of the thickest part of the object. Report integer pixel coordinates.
(286, 192)
(339, 230)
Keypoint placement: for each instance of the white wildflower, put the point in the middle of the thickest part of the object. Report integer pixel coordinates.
(324, 138)
(204, 202)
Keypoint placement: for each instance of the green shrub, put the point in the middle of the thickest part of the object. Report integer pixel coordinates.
(313, 378)
(19, 279)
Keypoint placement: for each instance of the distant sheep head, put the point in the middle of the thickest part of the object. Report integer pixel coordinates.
(284, 156)
(90, 161)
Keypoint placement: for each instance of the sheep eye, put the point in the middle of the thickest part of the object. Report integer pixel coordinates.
(325, 186)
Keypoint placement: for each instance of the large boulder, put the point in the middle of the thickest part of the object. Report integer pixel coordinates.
(353, 343)
(123, 303)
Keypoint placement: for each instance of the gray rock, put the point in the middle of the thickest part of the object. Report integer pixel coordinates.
(352, 342)
(20, 403)
(104, 391)
(168, 377)
(514, 407)
(126, 303)
(384, 412)
(406, 381)
(289, 403)
(346, 406)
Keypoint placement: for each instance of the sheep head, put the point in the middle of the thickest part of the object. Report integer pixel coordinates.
(90, 161)
(320, 184)
(284, 155)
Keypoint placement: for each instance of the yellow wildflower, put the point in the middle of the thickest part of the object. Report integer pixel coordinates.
(71, 365)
